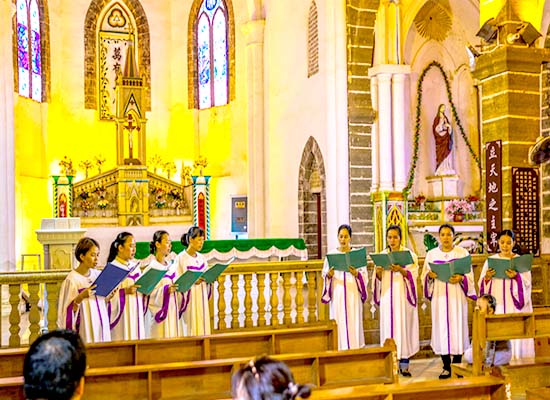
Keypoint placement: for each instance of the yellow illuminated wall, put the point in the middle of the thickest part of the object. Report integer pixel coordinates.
(527, 10)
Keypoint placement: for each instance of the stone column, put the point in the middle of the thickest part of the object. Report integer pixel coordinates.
(399, 138)
(375, 137)
(384, 130)
(7, 149)
(257, 169)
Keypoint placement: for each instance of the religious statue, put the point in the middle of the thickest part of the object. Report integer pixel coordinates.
(443, 135)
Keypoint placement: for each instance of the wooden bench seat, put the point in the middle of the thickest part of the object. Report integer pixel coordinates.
(209, 379)
(538, 393)
(477, 387)
(317, 338)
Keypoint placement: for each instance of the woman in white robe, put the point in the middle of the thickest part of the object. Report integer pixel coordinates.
(395, 292)
(79, 308)
(513, 295)
(194, 308)
(162, 316)
(449, 301)
(346, 292)
(126, 306)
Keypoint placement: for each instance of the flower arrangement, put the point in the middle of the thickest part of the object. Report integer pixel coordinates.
(102, 204)
(420, 199)
(99, 161)
(458, 207)
(160, 197)
(66, 166)
(177, 198)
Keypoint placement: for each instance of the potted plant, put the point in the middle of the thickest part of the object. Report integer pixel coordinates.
(457, 208)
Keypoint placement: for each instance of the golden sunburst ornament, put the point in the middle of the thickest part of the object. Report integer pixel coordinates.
(433, 21)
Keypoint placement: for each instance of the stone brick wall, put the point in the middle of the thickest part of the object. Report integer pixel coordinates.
(545, 131)
(360, 15)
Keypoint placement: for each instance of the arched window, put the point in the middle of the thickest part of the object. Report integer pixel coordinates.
(312, 41)
(29, 52)
(212, 50)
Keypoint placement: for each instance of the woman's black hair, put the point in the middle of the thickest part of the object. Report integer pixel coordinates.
(395, 228)
(346, 227)
(157, 238)
(119, 241)
(192, 233)
(267, 378)
(447, 226)
(83, 247)
(517, 248)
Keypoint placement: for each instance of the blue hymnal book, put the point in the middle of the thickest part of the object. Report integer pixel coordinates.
(110, 277)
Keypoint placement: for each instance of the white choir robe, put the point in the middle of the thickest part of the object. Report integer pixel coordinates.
(396, 296)
(126, 315)
(512, 296)
(449, 304)
(161, 318)
(346, 295)
(194, 309)
(90, 319)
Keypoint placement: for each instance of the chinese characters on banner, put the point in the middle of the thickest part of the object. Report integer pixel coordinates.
(525, 207)
(493, 193)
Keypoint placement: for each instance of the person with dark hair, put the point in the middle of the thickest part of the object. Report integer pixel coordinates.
(127, 321)
(54, 367)
(79, 308)
(449, 301)
(395, 292)
(497, 352)
(266, 378)
(346, 292)
(194, 311)
(162, 314)
(513, 294)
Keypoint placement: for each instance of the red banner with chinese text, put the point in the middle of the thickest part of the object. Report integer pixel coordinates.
(493, 193)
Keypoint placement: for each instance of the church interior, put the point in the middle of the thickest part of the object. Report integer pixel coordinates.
(269, 124)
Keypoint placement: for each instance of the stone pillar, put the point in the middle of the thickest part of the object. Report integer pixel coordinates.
(59, 237)
(257, 169)
(509, 78)
(389, 94)
(7, 149)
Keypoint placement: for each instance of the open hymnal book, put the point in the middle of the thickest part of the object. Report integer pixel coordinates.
(519, 264)
(354, 258)
(110, 277)
(189, 277)
(445, 270)
(150, 278)
(385, 260)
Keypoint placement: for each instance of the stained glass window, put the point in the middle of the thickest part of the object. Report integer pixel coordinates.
(212, 54)
(29, 54)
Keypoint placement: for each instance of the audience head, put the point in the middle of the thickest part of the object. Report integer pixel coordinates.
(266, 379)
(54, 367)
(446, 236)
(487, 304)
(194, 238)
(87, 251)
(344, 236)
(160, 243)
(123, 246)
(393, 237)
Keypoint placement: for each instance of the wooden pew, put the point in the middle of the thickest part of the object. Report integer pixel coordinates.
(522, 374)
(477, 387)
(221, 345)
(210, 379)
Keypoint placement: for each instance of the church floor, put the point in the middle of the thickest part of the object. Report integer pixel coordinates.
(425, 369)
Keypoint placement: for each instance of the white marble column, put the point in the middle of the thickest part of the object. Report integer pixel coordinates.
(385, 131)
(257, 163)
(400, 141)
(375, 136)
(7, 149)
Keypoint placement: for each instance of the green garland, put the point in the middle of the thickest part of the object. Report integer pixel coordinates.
(417, 122)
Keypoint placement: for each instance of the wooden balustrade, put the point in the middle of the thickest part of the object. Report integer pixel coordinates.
(251, 295)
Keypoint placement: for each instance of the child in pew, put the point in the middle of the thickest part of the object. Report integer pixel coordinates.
(513, 295)
(346, 292)
(162, 316)
(497, 352)
(79, 309)
(266, 378)
(194, 310)
(126, 315)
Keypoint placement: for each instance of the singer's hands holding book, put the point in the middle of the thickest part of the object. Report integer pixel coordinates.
(432, 275)
(510, 273)
(489, 274)
(173, 288)
(86, 293)
(132, 289)
(353, 271)
(330, 273)
(456, 278)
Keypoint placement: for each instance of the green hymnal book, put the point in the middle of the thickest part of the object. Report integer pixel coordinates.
(518, 264)
(149, 279)
(445, 270)
(212, 273)
(187, 280)
(354, 258)
(385, 260)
